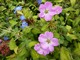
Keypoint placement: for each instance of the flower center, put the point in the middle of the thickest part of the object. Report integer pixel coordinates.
(48, 41)
(46, 11)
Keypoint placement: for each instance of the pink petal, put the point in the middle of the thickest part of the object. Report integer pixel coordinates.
(41, 15)
(51, 48)
(37, 47)
(47, 17)
(48, 5)
(42, 38)
(52, 13)
(40, 51)
(44, 45)
(46, 52)
(48, 34)
(57, 9)
(55, 42)
(42, 8)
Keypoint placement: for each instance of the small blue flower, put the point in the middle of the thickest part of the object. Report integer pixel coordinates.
(17, 8)
(39, 1)
(5, 38)
(24, 24)
(22, 17)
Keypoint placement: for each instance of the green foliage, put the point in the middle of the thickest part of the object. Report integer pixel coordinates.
(65, 27)
(34, 55)
(65, 54)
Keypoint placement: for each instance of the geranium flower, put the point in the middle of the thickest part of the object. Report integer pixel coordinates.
(39, 1)
(40, 50)
(47, 41)
(24, 24)
(22, 17)
(46, 11)
(17, 8)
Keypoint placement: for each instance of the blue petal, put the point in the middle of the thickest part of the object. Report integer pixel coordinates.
(17, 8)
(39, 1)
(22, 17)
(24, 24)
(5, 38)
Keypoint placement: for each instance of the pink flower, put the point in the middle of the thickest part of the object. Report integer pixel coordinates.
(47, 41)
(57, 9)
(46, 11)
(40, 50)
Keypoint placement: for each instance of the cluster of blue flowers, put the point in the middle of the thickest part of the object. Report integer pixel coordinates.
(22, 17)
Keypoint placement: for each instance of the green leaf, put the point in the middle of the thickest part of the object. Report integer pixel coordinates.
(13, 22)
(76, 21)
(34, 54)
(68, 9)
(77, 49)
(12, 44)
(2, 8)
(65, 54)
(72, 36)
(58, 0)
(22, 52)
(68, 27)
(27, 12)
(32, 43)
(27, 30)
(73, 2)
(16, 50)
(56, 35)
(19, 12)
(36, 30)
(44, 28)
(43, 0)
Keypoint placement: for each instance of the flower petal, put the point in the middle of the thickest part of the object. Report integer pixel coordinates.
(55, 42)
(48, 34)
(57, 9)
(42, 38)
(44, 45)
(37, 47)
(52, 13)
(40, 51)
(41, 15)
(42, 8)
(48, 5)
(47, 17)
(51, 48)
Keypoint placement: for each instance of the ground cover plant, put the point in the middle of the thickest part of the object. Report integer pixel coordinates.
(39, 30)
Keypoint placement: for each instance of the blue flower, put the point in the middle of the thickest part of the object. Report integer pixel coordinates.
(24, 24)
(39, 1)
(5, 38)
(22, 17)
(17, 8)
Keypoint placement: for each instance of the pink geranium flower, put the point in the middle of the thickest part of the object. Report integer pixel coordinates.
(47, 41)
(40, 50)
(46, 11)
